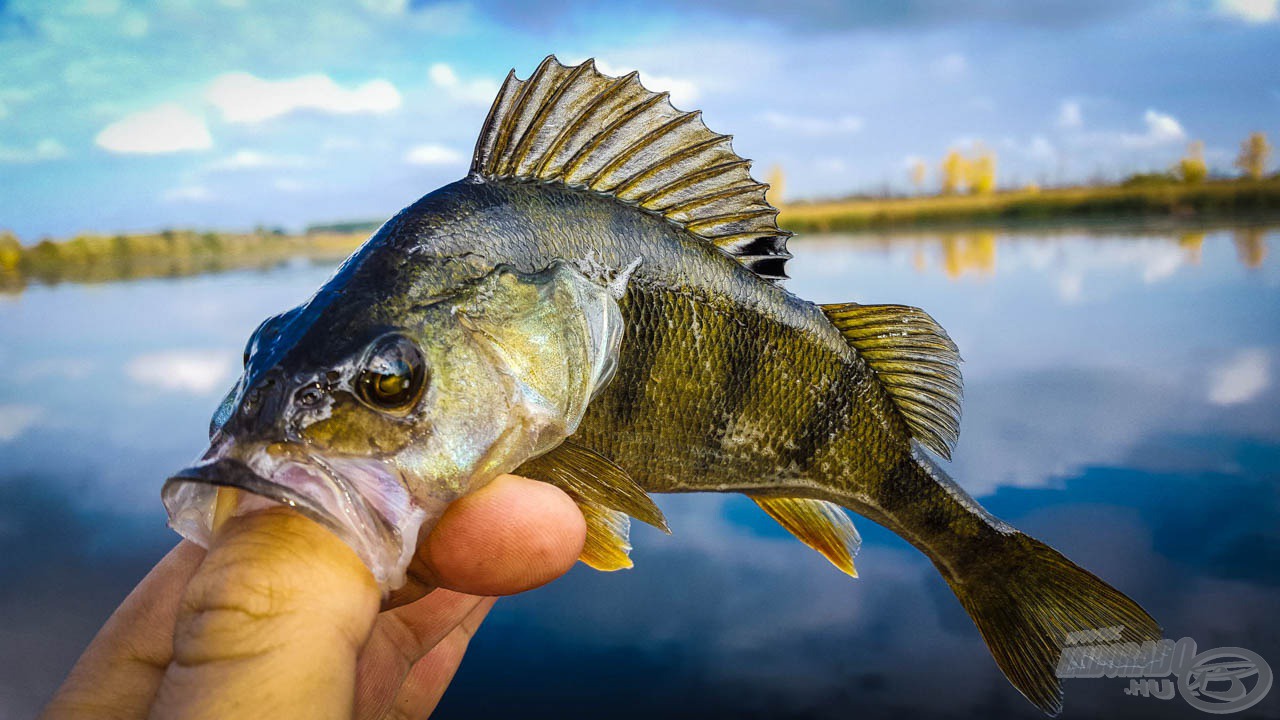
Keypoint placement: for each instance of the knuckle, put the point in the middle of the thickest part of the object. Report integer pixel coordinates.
(239, 603)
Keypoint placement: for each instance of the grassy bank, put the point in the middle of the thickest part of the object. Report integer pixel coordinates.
(172, 253)
(1209, 200)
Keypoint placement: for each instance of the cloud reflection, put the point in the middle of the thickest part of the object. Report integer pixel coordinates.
(17, 419)
(1241, 379)
(187, 371)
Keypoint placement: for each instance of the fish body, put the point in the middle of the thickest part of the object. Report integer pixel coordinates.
(597, 306)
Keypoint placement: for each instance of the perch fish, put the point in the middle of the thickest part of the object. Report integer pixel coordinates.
(597, 305)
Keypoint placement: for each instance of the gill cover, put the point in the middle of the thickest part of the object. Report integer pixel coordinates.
(556, 335)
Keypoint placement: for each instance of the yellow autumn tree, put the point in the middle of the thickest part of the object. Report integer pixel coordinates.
(1254, 153)
(955, 172)
(918, 172)
(982, 171)
(777, 182)
(1191, 167)
(10, 251)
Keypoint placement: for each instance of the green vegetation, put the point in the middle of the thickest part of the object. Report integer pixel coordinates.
(1144, 196)
(367, 227)
(170, 253)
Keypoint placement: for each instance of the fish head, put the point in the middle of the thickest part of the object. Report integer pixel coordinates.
(371, 417)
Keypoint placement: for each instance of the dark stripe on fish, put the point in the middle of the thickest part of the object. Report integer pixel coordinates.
(637, 356)
(825, 420)
(745, 359)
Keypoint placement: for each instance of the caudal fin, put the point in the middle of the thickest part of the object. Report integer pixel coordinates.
(1026, 599)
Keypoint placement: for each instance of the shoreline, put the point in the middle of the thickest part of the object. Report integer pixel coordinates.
(1234, 201)
(92, 259)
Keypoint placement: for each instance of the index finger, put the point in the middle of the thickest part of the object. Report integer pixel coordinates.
(277, 597)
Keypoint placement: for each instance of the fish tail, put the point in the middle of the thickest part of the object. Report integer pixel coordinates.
(1028, 600)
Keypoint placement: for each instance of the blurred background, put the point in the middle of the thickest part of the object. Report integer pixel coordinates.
(1083, 193)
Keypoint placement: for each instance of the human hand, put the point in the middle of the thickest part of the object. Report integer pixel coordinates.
(280, 618)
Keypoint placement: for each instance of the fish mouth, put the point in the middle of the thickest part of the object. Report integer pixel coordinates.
(363, 501)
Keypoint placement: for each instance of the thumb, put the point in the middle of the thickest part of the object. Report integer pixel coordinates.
(270, 625)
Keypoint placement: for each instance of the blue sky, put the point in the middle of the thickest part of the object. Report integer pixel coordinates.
(118, 115)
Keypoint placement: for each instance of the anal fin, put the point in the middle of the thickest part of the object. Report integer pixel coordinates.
(821, 525)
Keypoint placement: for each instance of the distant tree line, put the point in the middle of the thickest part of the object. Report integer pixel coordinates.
(95, 258)
(974, 172)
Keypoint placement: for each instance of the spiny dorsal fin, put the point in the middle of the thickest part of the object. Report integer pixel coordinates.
(821, 525)
(585, 130)
(586, 474)
(915, 360)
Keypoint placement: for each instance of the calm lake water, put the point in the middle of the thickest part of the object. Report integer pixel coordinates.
(1120, 403)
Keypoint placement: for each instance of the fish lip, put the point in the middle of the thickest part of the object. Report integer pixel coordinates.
(385, 546)
(232, 473)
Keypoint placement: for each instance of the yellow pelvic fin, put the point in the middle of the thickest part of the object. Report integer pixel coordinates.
(594, 479)
(915, 360)
(608, 545)
(821, 525)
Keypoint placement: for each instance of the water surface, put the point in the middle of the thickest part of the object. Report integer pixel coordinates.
(1120, 403)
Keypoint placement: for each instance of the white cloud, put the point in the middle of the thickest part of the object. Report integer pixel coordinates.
(1252, 11)
(135, 25)
(338, 143)
(188, 371)
(1070, 116)
(94, 7)
(17, 419)
(1041, 149)
(46, 149)
(477, 91)
(1240, 379)
(244, 98)
(1161, 129)
(166, 128)
(1070, 287)
(289, 185)
(951, 66)
(433, 155)
(1038, 148)
(250, 159)
(683, 92)
(386, 7)
(831, 166)
(188, 193)
(811, 125)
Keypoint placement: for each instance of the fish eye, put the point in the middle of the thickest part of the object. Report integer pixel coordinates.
(394, 374)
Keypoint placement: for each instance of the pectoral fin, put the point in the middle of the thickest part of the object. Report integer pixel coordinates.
(594, 480)
(608, 545)
(823, 526)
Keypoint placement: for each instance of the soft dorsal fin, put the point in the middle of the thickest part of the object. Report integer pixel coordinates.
(915, 360)
(585, 130)
(821, 525)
